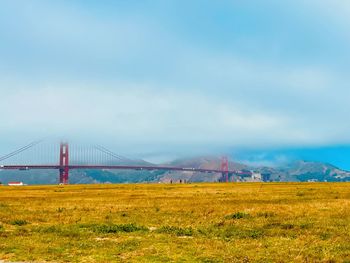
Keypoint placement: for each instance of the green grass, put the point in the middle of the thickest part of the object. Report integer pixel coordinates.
(245, 222)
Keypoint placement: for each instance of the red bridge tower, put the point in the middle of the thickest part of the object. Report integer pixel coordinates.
(64, 163)
(224, 169)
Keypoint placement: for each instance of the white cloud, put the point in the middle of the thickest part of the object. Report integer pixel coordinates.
(130, 113)
(156, 88)
(135, 113)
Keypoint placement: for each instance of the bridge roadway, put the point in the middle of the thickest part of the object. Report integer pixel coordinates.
(120, 167)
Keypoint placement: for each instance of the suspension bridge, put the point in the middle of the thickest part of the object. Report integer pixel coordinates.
(65, 157)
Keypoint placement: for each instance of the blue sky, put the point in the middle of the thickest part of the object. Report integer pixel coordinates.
(165, 79)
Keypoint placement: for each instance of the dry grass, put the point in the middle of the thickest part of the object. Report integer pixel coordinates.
(248, 222)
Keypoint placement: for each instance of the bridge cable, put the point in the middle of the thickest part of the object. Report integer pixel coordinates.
(18, 151)
(112, 154)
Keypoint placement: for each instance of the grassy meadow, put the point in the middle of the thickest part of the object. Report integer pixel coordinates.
(235, 222)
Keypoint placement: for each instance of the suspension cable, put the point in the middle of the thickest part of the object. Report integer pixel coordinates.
(22, 149)
(112, 154)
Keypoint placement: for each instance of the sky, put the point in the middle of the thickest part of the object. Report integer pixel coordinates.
(261, 80)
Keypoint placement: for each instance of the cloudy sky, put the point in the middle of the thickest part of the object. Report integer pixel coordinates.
(162, 79)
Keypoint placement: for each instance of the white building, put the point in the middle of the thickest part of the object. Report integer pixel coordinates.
(16, 184)
(256, 177)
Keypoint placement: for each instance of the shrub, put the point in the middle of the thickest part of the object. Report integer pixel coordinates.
(22, 232)
(300, 193)
(325, 236)
(306, 225)
(232, 232)
(2, 205)
(114, 228)
(60, 209)
(49, 229)
(266, 214)
(255, 233)
(19, 222)
(60, 230)
(237, 215)
(178, 231)
(287, 226)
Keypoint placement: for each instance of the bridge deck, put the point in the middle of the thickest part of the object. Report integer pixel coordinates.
(120, 167)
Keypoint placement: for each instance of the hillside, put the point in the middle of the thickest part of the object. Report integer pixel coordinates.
(304, 171)
(298, 171)
(79, 176)
(210, 162)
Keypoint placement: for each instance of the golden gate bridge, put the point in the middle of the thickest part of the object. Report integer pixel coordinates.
(65, 157)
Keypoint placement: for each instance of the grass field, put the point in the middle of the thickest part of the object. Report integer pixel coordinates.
(246, 222)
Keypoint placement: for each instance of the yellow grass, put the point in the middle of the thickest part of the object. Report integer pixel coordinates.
(246, 222)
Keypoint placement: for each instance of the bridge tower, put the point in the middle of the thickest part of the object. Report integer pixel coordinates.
(224, 169)
(64, 163)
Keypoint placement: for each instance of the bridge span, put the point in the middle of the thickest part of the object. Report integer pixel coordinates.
(64, 165)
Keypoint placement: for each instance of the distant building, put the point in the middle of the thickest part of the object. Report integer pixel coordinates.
(16, 184)
(312, 180)
(256, 177)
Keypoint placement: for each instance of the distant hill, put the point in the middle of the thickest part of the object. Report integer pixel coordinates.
(304, 171)
(210, 162)
(80, 176)
(299, 171)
